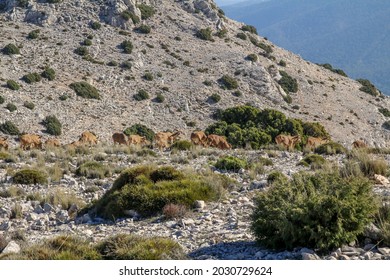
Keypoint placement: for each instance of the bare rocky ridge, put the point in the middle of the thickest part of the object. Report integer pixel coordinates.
(323, 96)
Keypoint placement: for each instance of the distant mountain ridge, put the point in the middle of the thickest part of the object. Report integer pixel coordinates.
(351, 35)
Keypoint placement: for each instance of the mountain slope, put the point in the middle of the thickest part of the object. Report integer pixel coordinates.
(351, 35)
(170, 60)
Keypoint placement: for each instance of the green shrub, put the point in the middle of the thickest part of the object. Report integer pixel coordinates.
(126, 65)
(288, 83)
(205, 34)
(1, 99)
(29, 177)
(148, 76)
(330, 148)
(33, 34)
(127, 46)
(313, 160)
(382, 221)
(22, 3)
(146, 11)
(87, 42)
(11, 49)
(144, 29)
(182, 145)
(267, 48)
(228, 82)
(141, 95)
(95, 25)
(53, 125)
(147, 190)
(385, 112)
(11, 107)
(249, 28)
(32, 78)
(82, 51)
(321, 211)
(215, 98)
(252, 57)
(11, 84)
(159, 98)
(282, 63)
(361, 163)
(49, 74)
(29, 105)
(315, 130)
(132, 247)
(9, 128)
(276, 176)
(241, 36)
(368, 87)
(330, 67)
(85, 90)
(231, 163)
(127, 15)
(92, 170)
(112, 63)
(141, 130)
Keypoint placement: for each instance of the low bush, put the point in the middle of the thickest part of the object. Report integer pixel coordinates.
(231, 163)
(228, 82)
(141, 95)
(127, 15)
(241, 36)
(144, 29)
(146, 11)
(249, 28)
(127, 46)
(182, 145)
(85, 90)
(32, 78)
(11, 84)
(159, 98)
(148, 76)
(330, 148)
(368, 87)
(49, 74)
(321, 211)
(141, 130)
(95, 25)
(53, 125)
(288, 83)
(276, 176)
(11, 107)
(385, 112)
(11, 49)
(93, 170)
(87, 42)
(252, 57)
(148, 189)
(33, 34)
(314, 161)
(9, 128)
(82, 51)
(1, 99)
(215, 98)
(205, 34)
(29, 177)
(174, 211)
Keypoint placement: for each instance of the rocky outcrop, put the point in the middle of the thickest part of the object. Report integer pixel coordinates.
(206, 7)
(112, 13)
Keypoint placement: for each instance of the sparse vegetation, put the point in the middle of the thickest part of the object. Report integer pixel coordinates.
(313, 160)
(252, 57)
(9, 128)
(127, 46)
(288, 83)
(228, 82)
(141, 130)
(144, 29)
(205, 34)
(231, 163)
(33, 34)
(215, 98)
(29, 105)
(330, 148)
(141, 95)
(82, 51)
(368, 87)
(385, 112)
(32, 78)
(92, 170)
(11, 49)
(95, 25)
(160, 98)
(127, 15)
(241, 36)
(49, 74)
(321, 211)
(85, 90)
(182, 145)
(146, 11)
(11, 107)
(249, 28)
(330, 67)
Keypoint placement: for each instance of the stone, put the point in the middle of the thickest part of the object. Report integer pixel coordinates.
(6, 225)
(373, 232)
(62, 216)
(344, 257)
(38, 209)
(307, 256)
(381, 180)
(384, 250)
(12, 247)
(32, 216)
(255, 185)
(48, 208)
(199, 204)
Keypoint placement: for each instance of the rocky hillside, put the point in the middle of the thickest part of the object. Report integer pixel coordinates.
(176, 51)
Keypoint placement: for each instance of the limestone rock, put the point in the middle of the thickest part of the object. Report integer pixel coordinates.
(12, 247)
(381, 180)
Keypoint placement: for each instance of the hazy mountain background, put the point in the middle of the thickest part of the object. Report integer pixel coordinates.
(350, 35)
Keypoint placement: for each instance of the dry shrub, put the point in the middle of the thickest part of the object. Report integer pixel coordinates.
(173, 211)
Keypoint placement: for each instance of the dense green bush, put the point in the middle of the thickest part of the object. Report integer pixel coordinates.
(330, 148)
(29, 177)
(321, 211)
(368, 87)
(148, 189)
(85, 90)
(49, 74)
(29, 105)
(385, 112)
(276, 176)
(144, 29)
(241, 36)
(141, 130)
(231, 163)
(249, 28)
(33, 34)
(313, 160)
(148, 76)
(330, 67)
(11, 107)
(87, 42)
(267, 48)
(11, 49)
(252, 57)
(95, 25)
(32, 78)
(92, 170)
(9, 128)
(53, 125)
(126, 65)
(82, 51)
(11, 84)
(288, 83)
(215, 98)
(315, 130)
(131, 247)
(146, 11)
(1, 99)
(205, 34)
(228, 82)
(127, 46)
(141, 95)
(159, 98)
(182, 145)
(127, 15)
